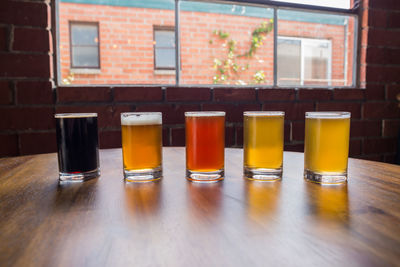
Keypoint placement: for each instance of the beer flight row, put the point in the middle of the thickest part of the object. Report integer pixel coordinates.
(326, 146)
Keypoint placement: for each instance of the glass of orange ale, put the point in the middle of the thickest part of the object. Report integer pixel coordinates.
(263, 145)
(205, 143)
(141, 146)
(326, 147)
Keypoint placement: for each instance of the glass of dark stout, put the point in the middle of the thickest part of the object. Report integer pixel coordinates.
(78, 146)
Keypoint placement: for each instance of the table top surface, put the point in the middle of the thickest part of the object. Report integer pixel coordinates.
(174, 222)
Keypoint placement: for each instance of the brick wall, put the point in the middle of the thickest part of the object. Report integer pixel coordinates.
(126, 44)
(28, 103)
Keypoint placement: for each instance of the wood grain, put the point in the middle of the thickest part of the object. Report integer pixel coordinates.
(174, 222)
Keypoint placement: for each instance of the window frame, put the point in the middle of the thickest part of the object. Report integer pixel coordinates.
(76, 22)
(162, 28)
(355, 12)
(304, 40)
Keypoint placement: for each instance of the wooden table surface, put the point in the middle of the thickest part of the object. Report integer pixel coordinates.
(105, 222)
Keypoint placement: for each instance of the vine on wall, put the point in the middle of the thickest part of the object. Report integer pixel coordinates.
(228, 69)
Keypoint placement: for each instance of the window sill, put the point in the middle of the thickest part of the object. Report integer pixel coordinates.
(164, 72)
(85, 71)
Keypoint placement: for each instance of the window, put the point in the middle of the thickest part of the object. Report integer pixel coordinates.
(84, 38)
(304, 61)
(164, 48)
(286, 43)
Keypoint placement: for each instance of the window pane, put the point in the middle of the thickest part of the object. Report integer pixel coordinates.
(327, 47)
(84, 34)
(327, 3)
(165, 58)
(289, 61)
(85, 57)
(126, 40)
(165, 38)
(226, 44)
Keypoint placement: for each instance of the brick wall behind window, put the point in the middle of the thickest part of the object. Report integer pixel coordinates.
(28, 102)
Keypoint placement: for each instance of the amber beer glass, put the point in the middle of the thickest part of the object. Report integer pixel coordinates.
(205, 143)
(263, 144)
(326, 147)
(142, 146)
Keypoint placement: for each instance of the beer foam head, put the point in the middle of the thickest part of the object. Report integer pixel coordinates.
(328, 115)
(264, 113)
(141, 118)
(204, 113)
(74, 115)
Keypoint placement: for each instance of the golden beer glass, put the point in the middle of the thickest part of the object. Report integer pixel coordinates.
(205, 144)
(326, 147)
(142, 146)
(263, 144)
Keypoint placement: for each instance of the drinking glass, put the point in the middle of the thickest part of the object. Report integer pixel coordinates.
(326, 147)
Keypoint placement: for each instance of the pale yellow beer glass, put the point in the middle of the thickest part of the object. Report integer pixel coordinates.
(142, 146)
(263, 144)
(326, 147)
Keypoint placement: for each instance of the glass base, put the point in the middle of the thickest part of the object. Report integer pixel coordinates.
(262, 174)
(205, 177)
(78, 176)
(143, 175)
(328, 178)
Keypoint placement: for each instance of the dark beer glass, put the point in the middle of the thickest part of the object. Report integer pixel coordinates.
(78, 146)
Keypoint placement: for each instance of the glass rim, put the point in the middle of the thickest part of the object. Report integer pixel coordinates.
(263, 113)
(205, 113)
(328, 114)
(140, 113)
(74, 115)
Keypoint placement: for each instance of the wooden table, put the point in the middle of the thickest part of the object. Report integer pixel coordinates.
(178, 223)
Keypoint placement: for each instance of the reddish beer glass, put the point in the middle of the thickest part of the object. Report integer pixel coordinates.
(205, 143)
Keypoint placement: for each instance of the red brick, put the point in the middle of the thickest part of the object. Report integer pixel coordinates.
(375, 92)
(239, 136)
(377, 18)
(287, 132)
(354, 108)
(234, 94)
(348, 94)
(22, 65)
(354, 148)
(384, 4)
(6, 95)
(108, 116)
(391, 128)
(188, 94)
(37, 118)
(234, 113)
(30, 92)
(24, 13)
(9, 145)
(36, 143)
(315, 94)
(230, 136)
(28, 39)
(375, 55)
(178, 136)
(379, 146)
(172, 114)
(294, 147)
(393, 92)
(365, 128)
(393, 20)
(110, 139)
(298, 131)
(383, 73)
(83, 94)
(390, 158)
(293, 111)
(3, 38)
(276, 94)
(137, 94)
(166, 136)
(392, 56)
(381, 110)
(383, 37)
